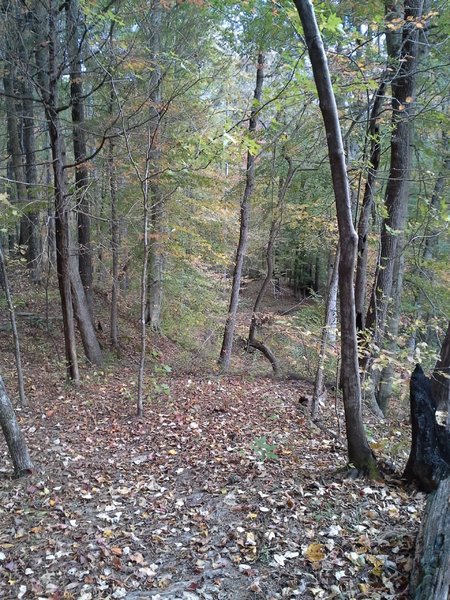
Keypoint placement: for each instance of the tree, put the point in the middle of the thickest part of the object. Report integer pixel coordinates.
(359, 452)
(73, 297)
(403, 53)
(230, 323)
(14, 438)
(75, 37)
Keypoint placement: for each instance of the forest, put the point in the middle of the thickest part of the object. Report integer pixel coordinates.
(224, 299)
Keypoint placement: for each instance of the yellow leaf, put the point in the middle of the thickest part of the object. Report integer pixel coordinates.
(172, 452)
(107, 533)
(315, 552)
(409, 99)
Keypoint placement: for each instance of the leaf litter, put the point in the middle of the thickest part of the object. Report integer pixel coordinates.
(223, 490)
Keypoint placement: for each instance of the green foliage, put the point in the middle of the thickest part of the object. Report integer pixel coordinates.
(264, 450)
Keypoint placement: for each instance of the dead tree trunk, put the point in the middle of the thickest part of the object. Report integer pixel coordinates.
(14, 438)
(430, 576)
(429, 460)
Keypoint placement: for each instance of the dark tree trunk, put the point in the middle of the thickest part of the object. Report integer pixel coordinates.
(429, 460)
(440, 385)
(79, 151)
(367, 206)
(396, 199)
(14, 438)
(359, 452)
(230, 324)
(430, 576)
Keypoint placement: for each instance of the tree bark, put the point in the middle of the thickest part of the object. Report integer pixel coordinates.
(430, 576)
(359, 452)
(230, 324)
(14, 438)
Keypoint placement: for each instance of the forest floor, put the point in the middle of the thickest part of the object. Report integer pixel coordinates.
(223, 490)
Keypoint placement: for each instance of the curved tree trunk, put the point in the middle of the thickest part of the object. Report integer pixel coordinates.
(14, 438)
(359, 452)
(230, 324)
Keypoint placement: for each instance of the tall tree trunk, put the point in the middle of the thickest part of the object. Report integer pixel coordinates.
(73, 17)
(14, 438)
(330, 314)
(45, 54)
(367, 206)
(157, 232)
(396, 199)
(359, 452)
(71, 289)
(230, 324)
(12, 317)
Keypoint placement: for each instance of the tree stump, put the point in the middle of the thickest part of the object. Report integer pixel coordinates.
(430, 576)
(429, 460)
